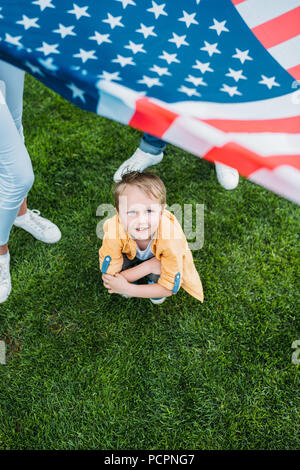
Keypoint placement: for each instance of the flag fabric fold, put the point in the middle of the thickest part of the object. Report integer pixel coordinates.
(218, 78)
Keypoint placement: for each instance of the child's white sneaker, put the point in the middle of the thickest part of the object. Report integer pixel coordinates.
(5, 280)
(228, 177)
(42, 229)
(158, 300)
(137, 162)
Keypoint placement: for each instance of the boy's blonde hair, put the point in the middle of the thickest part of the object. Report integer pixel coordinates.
(147, 182)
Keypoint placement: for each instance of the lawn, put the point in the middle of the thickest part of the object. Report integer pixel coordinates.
(89, 370)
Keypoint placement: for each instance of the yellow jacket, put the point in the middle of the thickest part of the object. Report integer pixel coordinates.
(169, 246)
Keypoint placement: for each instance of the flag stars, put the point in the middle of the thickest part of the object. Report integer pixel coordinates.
(100, 38)
(146, 31)
(195, 80)
(210, 48)
(219, 26)
(231, 90)
(76, 92)
(113, 21)
(169, 57)
(34, 68)
(110, 76)
(125, 3)
(157, 9)
(28, 22)
(135, 48)
(48, 64)
(188, 19)
(236, 74)
(242, 55)
(179, 40)
(123, 61)
(150, 82)
(269, 82)
(79, 11)
(44, 4)
(160, 70)
(65, 31)
(14, 40)
(203, 67)
(189, 91)
(85, 55)
(48, 49)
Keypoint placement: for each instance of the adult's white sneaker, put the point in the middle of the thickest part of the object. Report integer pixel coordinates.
(42, 229)
(228, 177)
(5, 280)
(137, 162)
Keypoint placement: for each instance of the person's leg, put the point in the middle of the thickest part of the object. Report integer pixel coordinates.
(16, 174)
(127, 264)
(149, 152)
(151, 144)
(16, 179)
(31, 221)
(13, 78)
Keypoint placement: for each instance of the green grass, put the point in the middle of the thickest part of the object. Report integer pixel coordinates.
(89, 370)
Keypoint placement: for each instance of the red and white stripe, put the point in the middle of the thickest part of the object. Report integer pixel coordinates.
(276, 24)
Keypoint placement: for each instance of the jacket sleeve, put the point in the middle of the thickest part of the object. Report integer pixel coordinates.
(171, 268)
(110, 253)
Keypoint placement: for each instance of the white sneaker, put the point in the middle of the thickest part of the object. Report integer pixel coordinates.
(228, 177)
(42, 229)
(5, 280)
(137, 162)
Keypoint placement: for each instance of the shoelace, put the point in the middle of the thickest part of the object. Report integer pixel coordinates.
(34, 219)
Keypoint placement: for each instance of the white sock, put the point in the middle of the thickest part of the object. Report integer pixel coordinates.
(21, 217)
(5, 257)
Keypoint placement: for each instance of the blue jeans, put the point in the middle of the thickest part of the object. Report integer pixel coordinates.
(16, 174)
(130, 263)
(151, 144)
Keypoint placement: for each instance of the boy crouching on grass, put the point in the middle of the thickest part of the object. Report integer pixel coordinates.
(144, 241)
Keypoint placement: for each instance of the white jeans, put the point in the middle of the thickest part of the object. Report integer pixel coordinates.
(16, 174)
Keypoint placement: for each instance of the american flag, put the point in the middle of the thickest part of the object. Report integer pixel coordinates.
(218, 78)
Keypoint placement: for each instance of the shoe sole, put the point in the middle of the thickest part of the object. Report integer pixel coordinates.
(117, 180)
(157, 302)
(38, 238)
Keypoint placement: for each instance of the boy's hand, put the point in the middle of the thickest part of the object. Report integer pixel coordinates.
(116, 284)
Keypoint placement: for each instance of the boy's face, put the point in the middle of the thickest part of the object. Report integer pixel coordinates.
(139, 213)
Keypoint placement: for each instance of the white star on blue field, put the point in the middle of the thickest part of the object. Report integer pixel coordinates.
(170, 50)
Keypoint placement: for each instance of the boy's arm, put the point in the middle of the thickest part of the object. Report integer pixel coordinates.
(148, 291)
(110, 253)
(143, 269)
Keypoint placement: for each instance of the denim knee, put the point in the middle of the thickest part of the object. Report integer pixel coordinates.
(20, 185)
(153, 277)
(27, 181)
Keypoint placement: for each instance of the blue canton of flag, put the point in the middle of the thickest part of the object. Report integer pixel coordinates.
(192, 73)
(172, 51)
